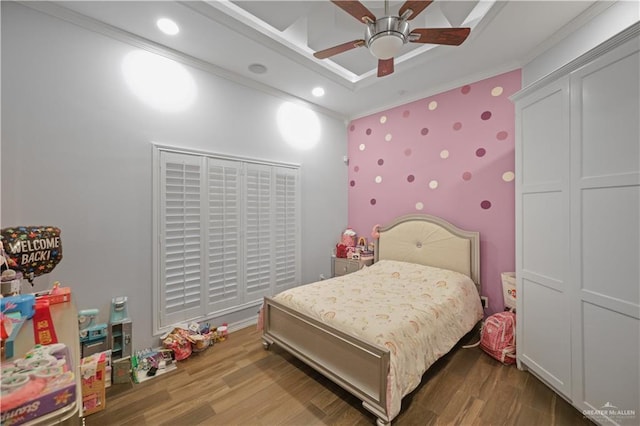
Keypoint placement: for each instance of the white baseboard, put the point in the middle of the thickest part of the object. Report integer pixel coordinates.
(239, 325)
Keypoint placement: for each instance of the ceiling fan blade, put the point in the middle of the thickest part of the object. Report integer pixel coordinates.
(355, 9)
(385, 67)
(326, 53)
(448, 36)
(415, 6)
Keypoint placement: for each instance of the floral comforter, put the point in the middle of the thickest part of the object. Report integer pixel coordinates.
(418, 312)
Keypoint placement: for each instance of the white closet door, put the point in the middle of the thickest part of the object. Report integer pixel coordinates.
(542, 234)
(606, 233)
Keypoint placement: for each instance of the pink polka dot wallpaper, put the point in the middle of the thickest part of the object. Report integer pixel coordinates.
(449, 155)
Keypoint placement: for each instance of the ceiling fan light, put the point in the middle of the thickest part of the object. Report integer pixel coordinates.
(386, 36)
(386, 46)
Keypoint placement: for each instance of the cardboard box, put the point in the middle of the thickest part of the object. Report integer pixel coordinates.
(93, 375)
(107, 368)
(60, 295)
(121, 371)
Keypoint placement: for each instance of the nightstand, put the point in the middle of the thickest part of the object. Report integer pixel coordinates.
(342, 266)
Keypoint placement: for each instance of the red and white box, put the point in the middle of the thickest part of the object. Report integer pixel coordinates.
(56, 295)
(92, 371)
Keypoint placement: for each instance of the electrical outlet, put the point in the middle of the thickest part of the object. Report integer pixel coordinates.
(485, 302)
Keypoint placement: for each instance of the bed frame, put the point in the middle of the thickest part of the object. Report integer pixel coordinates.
(360, 367)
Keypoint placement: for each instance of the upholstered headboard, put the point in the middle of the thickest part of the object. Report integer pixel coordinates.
(432, 241)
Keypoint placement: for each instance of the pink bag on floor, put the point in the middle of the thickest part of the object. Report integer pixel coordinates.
(498, 337)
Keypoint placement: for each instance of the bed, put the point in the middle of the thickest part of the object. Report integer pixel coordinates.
(376, 331)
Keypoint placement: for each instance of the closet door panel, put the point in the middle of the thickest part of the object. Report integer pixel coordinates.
(544, 236)
(611, 367)
(543, 124)
(610, 117)
(610, 265)
(605, 229)
(544, 348)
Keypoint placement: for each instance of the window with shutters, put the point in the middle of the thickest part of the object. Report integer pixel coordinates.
(227, 234)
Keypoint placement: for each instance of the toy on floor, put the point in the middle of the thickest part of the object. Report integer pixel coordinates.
(119, 312)
(222, 332)
(179, 342)
(150, 363)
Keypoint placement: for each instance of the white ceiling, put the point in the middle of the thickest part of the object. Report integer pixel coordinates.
(226, 37)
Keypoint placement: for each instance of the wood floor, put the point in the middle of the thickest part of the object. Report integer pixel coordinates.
(237, 382)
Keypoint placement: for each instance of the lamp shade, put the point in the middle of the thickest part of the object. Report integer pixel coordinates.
(386, 36)
(385, 46)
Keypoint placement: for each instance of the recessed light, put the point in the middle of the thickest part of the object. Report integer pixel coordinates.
(317, 91)
(257, 68)
(168, 26)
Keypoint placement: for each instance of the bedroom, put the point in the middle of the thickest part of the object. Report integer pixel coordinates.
(77, 153)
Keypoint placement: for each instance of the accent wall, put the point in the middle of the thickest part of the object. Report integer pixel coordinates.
(450, 155)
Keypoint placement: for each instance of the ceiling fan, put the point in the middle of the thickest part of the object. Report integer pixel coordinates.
(384, 37)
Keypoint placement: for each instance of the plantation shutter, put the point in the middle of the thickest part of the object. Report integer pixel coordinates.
(287, 229)
(228, 234)
(258, 224)
(224, 244)
(181, 222)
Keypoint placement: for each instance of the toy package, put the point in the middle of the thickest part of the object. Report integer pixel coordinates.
(40, 383)
(92, 371)
(150, 363)
(188, 338)
(179, 341)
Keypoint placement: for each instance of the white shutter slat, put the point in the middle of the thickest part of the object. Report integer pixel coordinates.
(224, 233)
(181, 218)
(258, 254)
(286, 244)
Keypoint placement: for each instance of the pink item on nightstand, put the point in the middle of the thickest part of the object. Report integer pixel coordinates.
(349, 238)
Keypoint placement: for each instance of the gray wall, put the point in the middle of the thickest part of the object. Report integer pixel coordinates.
(76, 153)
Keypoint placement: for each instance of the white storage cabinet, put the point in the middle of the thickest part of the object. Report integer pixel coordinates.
(578, 233)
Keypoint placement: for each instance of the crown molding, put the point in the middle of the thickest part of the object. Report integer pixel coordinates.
(619, 39)
(56, 10)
